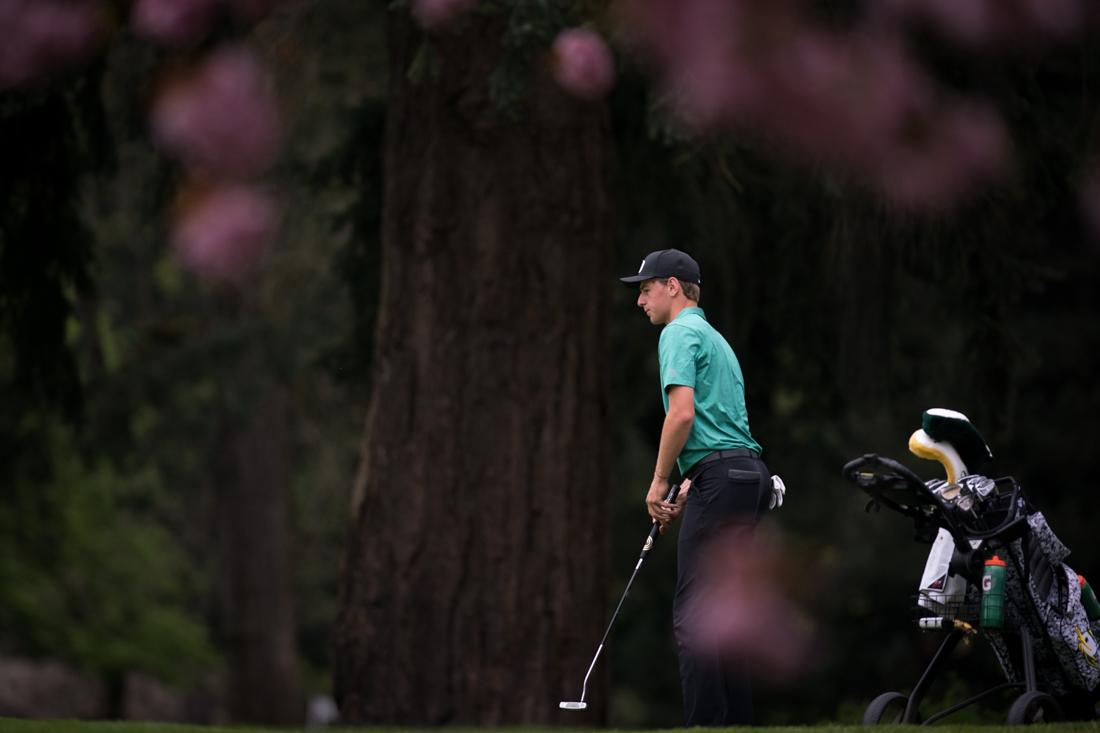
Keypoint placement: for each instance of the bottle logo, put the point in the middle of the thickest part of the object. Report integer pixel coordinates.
(1086, 644)
(987, 583)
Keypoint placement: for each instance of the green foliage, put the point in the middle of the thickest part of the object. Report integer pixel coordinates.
(86, 576)
(85, 572)
(46, 143)
(531, 28)
(109, 557)
(425, 64)
(528, 28)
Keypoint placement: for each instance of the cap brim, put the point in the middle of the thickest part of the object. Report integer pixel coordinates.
(635, 279)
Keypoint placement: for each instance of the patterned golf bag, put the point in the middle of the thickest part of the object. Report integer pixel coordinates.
(1045, 642)
(1042, 594)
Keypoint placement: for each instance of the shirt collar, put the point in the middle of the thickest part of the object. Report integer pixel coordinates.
(692, 310)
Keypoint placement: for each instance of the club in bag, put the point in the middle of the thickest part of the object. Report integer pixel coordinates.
(653, 532)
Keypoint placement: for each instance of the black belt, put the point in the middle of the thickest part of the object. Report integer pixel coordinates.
(719, 455)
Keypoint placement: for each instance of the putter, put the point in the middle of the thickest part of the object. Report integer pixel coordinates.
(653, 532)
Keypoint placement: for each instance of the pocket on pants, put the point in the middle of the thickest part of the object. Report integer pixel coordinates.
(742, 494)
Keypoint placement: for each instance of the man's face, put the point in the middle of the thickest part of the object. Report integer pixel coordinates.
(654, 299)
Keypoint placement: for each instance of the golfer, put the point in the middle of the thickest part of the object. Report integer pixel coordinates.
(726, 485)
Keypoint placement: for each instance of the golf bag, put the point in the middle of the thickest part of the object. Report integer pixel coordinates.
(1041, 634)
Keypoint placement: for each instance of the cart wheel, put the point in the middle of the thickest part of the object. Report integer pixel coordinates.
(886, 709)
(1034, 707)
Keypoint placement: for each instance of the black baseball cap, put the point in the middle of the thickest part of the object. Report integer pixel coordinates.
(666, 263)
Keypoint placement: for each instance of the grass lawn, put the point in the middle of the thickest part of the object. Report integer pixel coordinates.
(11, 725)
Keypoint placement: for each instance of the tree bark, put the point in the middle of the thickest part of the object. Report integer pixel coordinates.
(254, 536)
(475, 578)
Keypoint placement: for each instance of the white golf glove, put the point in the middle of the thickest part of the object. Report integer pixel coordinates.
(779, 490)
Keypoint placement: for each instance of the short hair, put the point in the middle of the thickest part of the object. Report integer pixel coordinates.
(690, 290)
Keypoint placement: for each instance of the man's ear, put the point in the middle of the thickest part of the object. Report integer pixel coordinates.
(676, 287)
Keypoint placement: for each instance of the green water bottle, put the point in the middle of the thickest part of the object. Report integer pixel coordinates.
(1088, 599)
(993, 593)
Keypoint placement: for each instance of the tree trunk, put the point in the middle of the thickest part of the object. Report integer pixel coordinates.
(254, 536)
(475, 579)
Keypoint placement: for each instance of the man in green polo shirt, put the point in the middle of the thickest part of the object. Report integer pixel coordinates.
(726, 484)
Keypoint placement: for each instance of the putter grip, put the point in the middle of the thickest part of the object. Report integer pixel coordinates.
(655, 530)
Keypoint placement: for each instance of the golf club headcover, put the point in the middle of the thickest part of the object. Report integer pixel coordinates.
(955, 428)
(923, 445)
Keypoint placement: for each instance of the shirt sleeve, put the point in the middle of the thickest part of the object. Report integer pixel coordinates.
(677, 352)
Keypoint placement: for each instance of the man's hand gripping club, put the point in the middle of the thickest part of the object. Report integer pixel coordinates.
(659, 507)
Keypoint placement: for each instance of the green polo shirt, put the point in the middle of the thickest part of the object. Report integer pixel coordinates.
(693, 354)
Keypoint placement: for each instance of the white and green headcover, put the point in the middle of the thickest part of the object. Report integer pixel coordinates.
(955, 428)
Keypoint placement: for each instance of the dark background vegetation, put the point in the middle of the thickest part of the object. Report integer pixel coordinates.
(118, 372)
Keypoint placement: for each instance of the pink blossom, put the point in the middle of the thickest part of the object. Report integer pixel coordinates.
(862, 105)
(223, 235)
(963, 146)
(174, 22)
(222, 119)
(41, 37)
(853, 99)
(438, 13)
(1059, 17)
(965, 19)
(739, 607)
(180, 22)
(582, 63)
(702, 66)
(994, 21)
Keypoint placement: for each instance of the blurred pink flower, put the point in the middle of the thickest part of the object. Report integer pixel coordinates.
(994, 21)
(223, 235)
(222, 119)
(740, 608)
(963, 146)
(582, 63)
(855, 99)
(706, 75)
(437, 13)
(41, 37)
(969, 20)
(1060, 17)
(173, 22)
(180, 22)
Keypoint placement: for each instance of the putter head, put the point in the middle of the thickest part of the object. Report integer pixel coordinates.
(572, 705)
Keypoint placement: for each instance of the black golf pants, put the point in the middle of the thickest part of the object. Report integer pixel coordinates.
(727, 495)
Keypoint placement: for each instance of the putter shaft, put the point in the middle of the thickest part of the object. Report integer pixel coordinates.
(654, 531)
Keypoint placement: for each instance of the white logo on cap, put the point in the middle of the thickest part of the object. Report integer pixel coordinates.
(642, 267)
